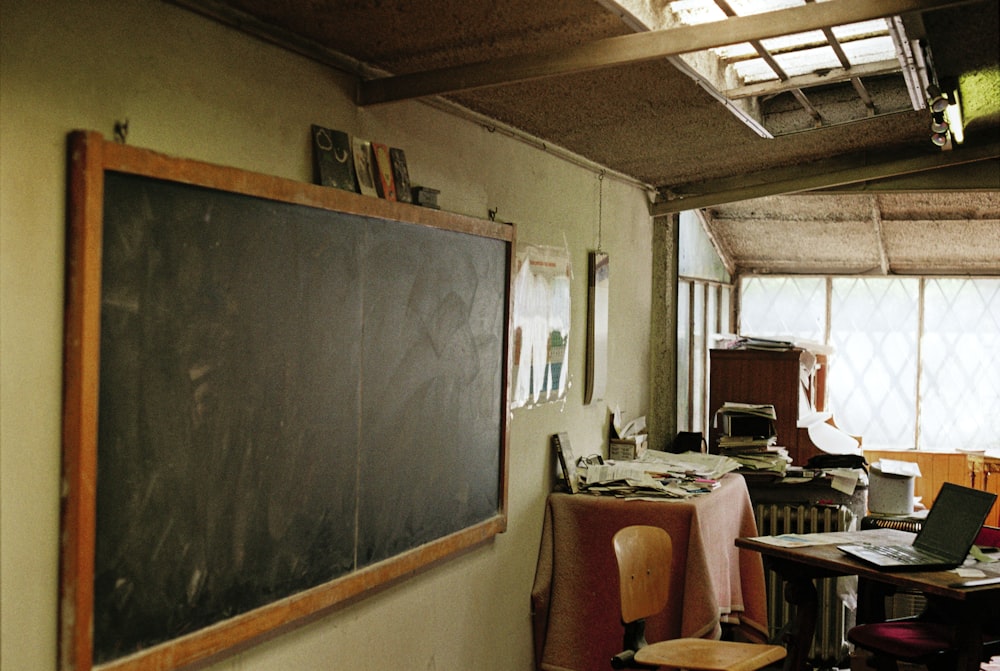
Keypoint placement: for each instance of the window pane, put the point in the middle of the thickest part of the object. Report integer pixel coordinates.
(683, 352)
(960, 376)
(725, 326)
(696, 256)
(698, 344)
(787, 307)
(872, 381)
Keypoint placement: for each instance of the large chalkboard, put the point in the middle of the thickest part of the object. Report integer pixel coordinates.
(300, 396)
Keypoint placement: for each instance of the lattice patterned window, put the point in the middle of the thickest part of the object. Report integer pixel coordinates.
(915, 360)
(784, 306)
(872, 379)
(960, 364)
(704, 297)
(702, 312)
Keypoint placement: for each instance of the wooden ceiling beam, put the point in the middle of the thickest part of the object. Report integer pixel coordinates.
(635, 48)
(814, 177)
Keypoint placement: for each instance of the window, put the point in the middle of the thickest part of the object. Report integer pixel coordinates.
(704, 299)
(914, 358)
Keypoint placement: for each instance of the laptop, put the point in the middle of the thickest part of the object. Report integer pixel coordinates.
(944, 539)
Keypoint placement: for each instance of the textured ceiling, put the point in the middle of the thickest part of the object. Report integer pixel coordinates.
(648, 121)
(890, 233)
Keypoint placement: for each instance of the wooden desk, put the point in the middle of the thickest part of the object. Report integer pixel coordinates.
(576, 608)
(798, 567)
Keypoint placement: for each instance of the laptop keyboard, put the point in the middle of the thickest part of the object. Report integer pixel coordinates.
(901, 553)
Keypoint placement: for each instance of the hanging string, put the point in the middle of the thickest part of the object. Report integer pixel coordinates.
(600, 209)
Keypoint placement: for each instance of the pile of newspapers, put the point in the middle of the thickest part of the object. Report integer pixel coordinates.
(656, 475)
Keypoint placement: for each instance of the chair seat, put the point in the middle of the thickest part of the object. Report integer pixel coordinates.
(699, 654)
(908, 641)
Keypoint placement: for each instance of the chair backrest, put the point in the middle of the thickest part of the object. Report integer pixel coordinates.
(644, 555)
(988, 536)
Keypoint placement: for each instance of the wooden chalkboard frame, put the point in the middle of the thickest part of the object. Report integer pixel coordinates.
(90, 156)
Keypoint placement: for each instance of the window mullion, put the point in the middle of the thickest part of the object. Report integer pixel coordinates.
(691, 353)
(921, 286)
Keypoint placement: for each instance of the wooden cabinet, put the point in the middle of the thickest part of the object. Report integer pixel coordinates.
(786, 379)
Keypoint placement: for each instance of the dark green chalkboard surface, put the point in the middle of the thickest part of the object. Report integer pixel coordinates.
(301, 395)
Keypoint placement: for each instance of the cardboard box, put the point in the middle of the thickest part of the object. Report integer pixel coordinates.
(627, 449)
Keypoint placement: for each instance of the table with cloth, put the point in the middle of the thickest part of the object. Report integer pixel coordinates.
(576, 609)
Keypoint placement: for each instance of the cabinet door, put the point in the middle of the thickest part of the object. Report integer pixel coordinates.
(757, 376)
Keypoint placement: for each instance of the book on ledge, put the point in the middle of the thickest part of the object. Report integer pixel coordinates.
(385, 183)
(333, 161)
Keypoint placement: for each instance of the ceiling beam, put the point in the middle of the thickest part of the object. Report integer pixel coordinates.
(965, 177)
(634, 48)
(812, 177)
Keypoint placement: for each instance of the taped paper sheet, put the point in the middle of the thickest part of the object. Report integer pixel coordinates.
(827, 437)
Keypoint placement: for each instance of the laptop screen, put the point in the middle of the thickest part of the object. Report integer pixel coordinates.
(954, 521)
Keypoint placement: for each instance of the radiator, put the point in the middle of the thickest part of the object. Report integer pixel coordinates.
(829, 648)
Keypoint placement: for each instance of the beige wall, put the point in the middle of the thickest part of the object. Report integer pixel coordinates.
(191, 88)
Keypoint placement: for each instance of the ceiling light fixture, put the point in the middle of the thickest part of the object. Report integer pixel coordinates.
(953, 114)
(936, 100)
(946, 117)
(938, 123)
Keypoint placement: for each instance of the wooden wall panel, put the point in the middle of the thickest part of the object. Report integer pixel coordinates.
(936, 468)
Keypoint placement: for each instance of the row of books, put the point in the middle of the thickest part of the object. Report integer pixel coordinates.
(362, 166)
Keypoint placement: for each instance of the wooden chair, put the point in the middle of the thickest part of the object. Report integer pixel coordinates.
(644, 555)
(927, 639)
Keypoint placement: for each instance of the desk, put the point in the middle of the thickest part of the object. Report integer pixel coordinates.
(799, 566)
(576, 608)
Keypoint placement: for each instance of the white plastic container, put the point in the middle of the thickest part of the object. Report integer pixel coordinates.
(890, 488)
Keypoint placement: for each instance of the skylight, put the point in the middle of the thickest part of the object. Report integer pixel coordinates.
(797, 82)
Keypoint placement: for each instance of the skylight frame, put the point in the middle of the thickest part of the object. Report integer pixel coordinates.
(798, 53)
(810, 67)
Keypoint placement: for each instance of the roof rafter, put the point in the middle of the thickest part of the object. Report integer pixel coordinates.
(845, 62)
(772, 63)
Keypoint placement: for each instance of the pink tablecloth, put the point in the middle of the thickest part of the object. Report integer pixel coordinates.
(576, 610)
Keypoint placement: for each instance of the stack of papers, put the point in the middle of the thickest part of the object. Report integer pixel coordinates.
(773, 460)
(745, 427)
(657, 474)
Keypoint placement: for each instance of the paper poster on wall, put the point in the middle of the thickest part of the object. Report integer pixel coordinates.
(597, 327)
(541, 324)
